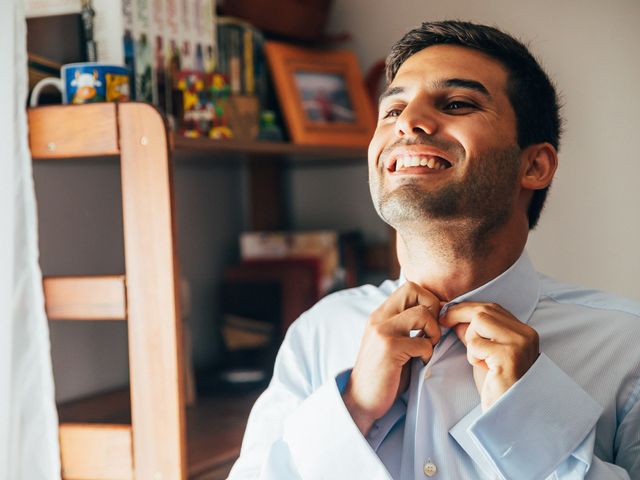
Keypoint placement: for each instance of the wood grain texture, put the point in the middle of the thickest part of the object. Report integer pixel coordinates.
(215, 430)
(85, 298)
(215, 426)
(112, 406)
(155, 337)
(67, 131)
(258, 148)
(96, 452)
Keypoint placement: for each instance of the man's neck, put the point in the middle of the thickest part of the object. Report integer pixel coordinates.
(448, 262)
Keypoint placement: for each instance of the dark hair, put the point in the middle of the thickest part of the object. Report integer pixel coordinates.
(530, 91)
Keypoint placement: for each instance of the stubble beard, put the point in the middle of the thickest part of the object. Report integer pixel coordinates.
(462, 213)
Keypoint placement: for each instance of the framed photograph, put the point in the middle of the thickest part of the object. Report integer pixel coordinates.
(322, 95)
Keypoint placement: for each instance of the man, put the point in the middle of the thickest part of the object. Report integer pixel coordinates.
(471, 366)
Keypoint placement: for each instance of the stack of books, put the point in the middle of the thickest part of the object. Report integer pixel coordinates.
(156, 39)
(241, 57)
(320, 246)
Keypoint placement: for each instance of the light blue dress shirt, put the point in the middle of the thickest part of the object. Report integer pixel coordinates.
(574, 415)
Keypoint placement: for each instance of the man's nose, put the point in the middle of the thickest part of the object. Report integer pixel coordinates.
(416, 119)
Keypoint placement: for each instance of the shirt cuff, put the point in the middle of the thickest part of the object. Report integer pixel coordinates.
(539, 422)
(381, 427)
(321, 431)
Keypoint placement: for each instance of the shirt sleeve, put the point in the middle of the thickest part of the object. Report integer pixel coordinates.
(296, 432)
(543, 425)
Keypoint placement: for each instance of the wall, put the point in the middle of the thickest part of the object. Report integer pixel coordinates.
(590, 230)
(335, 196)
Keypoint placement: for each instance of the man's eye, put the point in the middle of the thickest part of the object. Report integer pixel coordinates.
(459, 105)
(392, 112)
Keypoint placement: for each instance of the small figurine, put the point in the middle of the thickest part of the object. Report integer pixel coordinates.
(191, 84)
(204, 104)
(269, 129)
(220, 90)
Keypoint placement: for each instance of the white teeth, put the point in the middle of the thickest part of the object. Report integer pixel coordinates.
(405, 161)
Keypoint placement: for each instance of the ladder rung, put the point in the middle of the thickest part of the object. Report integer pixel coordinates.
(85, 298)
(92, 131)
(96, 451)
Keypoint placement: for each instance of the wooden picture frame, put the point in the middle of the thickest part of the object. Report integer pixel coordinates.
(322, 95)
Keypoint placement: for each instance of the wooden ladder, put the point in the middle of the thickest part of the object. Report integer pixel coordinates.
(153, 446)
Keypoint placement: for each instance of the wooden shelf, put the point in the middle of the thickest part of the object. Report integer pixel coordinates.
(265, 161)
(215, 426)
(289, 151)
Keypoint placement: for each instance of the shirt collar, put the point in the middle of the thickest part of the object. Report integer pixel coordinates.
(517, 290)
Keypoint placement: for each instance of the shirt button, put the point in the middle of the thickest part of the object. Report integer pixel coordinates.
(427, 373)
(429, 468)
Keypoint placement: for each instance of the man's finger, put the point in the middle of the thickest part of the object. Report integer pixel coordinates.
(418, 317)
(481, 348)
(414, 347)
(487, 322)
(461, 330)
(409, 295)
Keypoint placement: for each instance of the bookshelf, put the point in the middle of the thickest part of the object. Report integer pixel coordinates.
(214, 427)
(266, 162)
(145, 297)
(283, 150)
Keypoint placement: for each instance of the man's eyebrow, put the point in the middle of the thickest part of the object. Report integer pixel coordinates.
(390, 91)
(462, 83)
(442, 84)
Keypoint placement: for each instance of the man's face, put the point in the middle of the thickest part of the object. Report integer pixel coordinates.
(445, 146)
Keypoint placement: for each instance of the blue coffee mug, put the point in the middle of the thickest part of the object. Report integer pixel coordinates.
(88, 82)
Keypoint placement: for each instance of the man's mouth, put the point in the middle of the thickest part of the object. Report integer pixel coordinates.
(425, 162)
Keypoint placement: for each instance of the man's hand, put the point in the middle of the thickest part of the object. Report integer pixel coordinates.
(499, 346)
(381, 372)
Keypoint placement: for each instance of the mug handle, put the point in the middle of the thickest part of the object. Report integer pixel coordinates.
(45, 82)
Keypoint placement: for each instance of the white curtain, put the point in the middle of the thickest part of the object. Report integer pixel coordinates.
(28, 419)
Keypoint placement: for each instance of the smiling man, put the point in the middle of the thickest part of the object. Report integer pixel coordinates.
(472, 365)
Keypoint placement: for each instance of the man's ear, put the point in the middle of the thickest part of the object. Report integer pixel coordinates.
(539, 163)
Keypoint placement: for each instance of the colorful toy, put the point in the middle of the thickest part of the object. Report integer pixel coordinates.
(204, 99)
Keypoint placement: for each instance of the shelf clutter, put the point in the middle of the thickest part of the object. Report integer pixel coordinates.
(216, 71)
